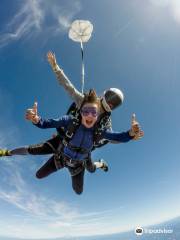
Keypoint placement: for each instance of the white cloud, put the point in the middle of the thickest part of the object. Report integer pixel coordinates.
(172, 5)
(31, 19)
(162, 3)
(36, 214)
(47, 217)
(28, 18)
(36, 11)
(65, 15)
(40, 216)
(175, 8)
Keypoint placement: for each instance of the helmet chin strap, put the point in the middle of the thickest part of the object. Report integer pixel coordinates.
(105, 105)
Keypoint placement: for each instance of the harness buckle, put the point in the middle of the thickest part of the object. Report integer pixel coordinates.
(64, 142)
(69, 135)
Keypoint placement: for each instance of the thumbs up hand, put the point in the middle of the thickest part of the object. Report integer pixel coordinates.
(135, 130)
(32, 115)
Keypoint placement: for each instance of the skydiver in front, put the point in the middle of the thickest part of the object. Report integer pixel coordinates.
(77, 147)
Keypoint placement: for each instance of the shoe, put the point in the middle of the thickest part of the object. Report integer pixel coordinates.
(4, 152)
(104, 165)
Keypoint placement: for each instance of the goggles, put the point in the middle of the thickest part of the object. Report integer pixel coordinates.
(85, 111)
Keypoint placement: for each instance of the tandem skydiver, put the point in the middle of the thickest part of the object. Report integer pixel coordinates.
(111, 99)
(79, 140)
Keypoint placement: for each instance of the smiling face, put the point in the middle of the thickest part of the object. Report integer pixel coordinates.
(89, 113)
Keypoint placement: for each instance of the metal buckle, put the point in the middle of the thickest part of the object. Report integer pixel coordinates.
(64, 142)
(69, 135)
(70, 163)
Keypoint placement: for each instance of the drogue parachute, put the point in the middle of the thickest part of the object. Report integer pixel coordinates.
(81, 31)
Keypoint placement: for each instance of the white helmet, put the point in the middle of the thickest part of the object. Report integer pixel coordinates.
(112, 98)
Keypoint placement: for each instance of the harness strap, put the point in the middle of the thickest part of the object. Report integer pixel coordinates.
(76, 171)
(51, 146)
(74, 166)
(78, 149)
(72, 163)
(71, 129)
(58, 161)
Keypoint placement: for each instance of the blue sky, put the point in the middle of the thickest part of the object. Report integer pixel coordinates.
(134, 47)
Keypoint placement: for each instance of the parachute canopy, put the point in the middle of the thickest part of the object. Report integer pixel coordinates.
(80, 31)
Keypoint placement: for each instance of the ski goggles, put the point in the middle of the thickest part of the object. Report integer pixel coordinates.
(85, 111)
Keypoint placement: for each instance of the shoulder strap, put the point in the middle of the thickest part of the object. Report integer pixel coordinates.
(71, 129)
(73, 126)
(72, 110)
(103, 124)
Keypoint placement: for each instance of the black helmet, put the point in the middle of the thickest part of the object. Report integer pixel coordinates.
(112, 98)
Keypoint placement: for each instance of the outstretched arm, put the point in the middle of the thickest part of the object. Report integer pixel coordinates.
(52, 123)
(32, 115)
(64, 81)
(134, 133)
(117, 137)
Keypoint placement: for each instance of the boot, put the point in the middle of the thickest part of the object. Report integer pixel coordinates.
(4, 152)
(104, 165)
